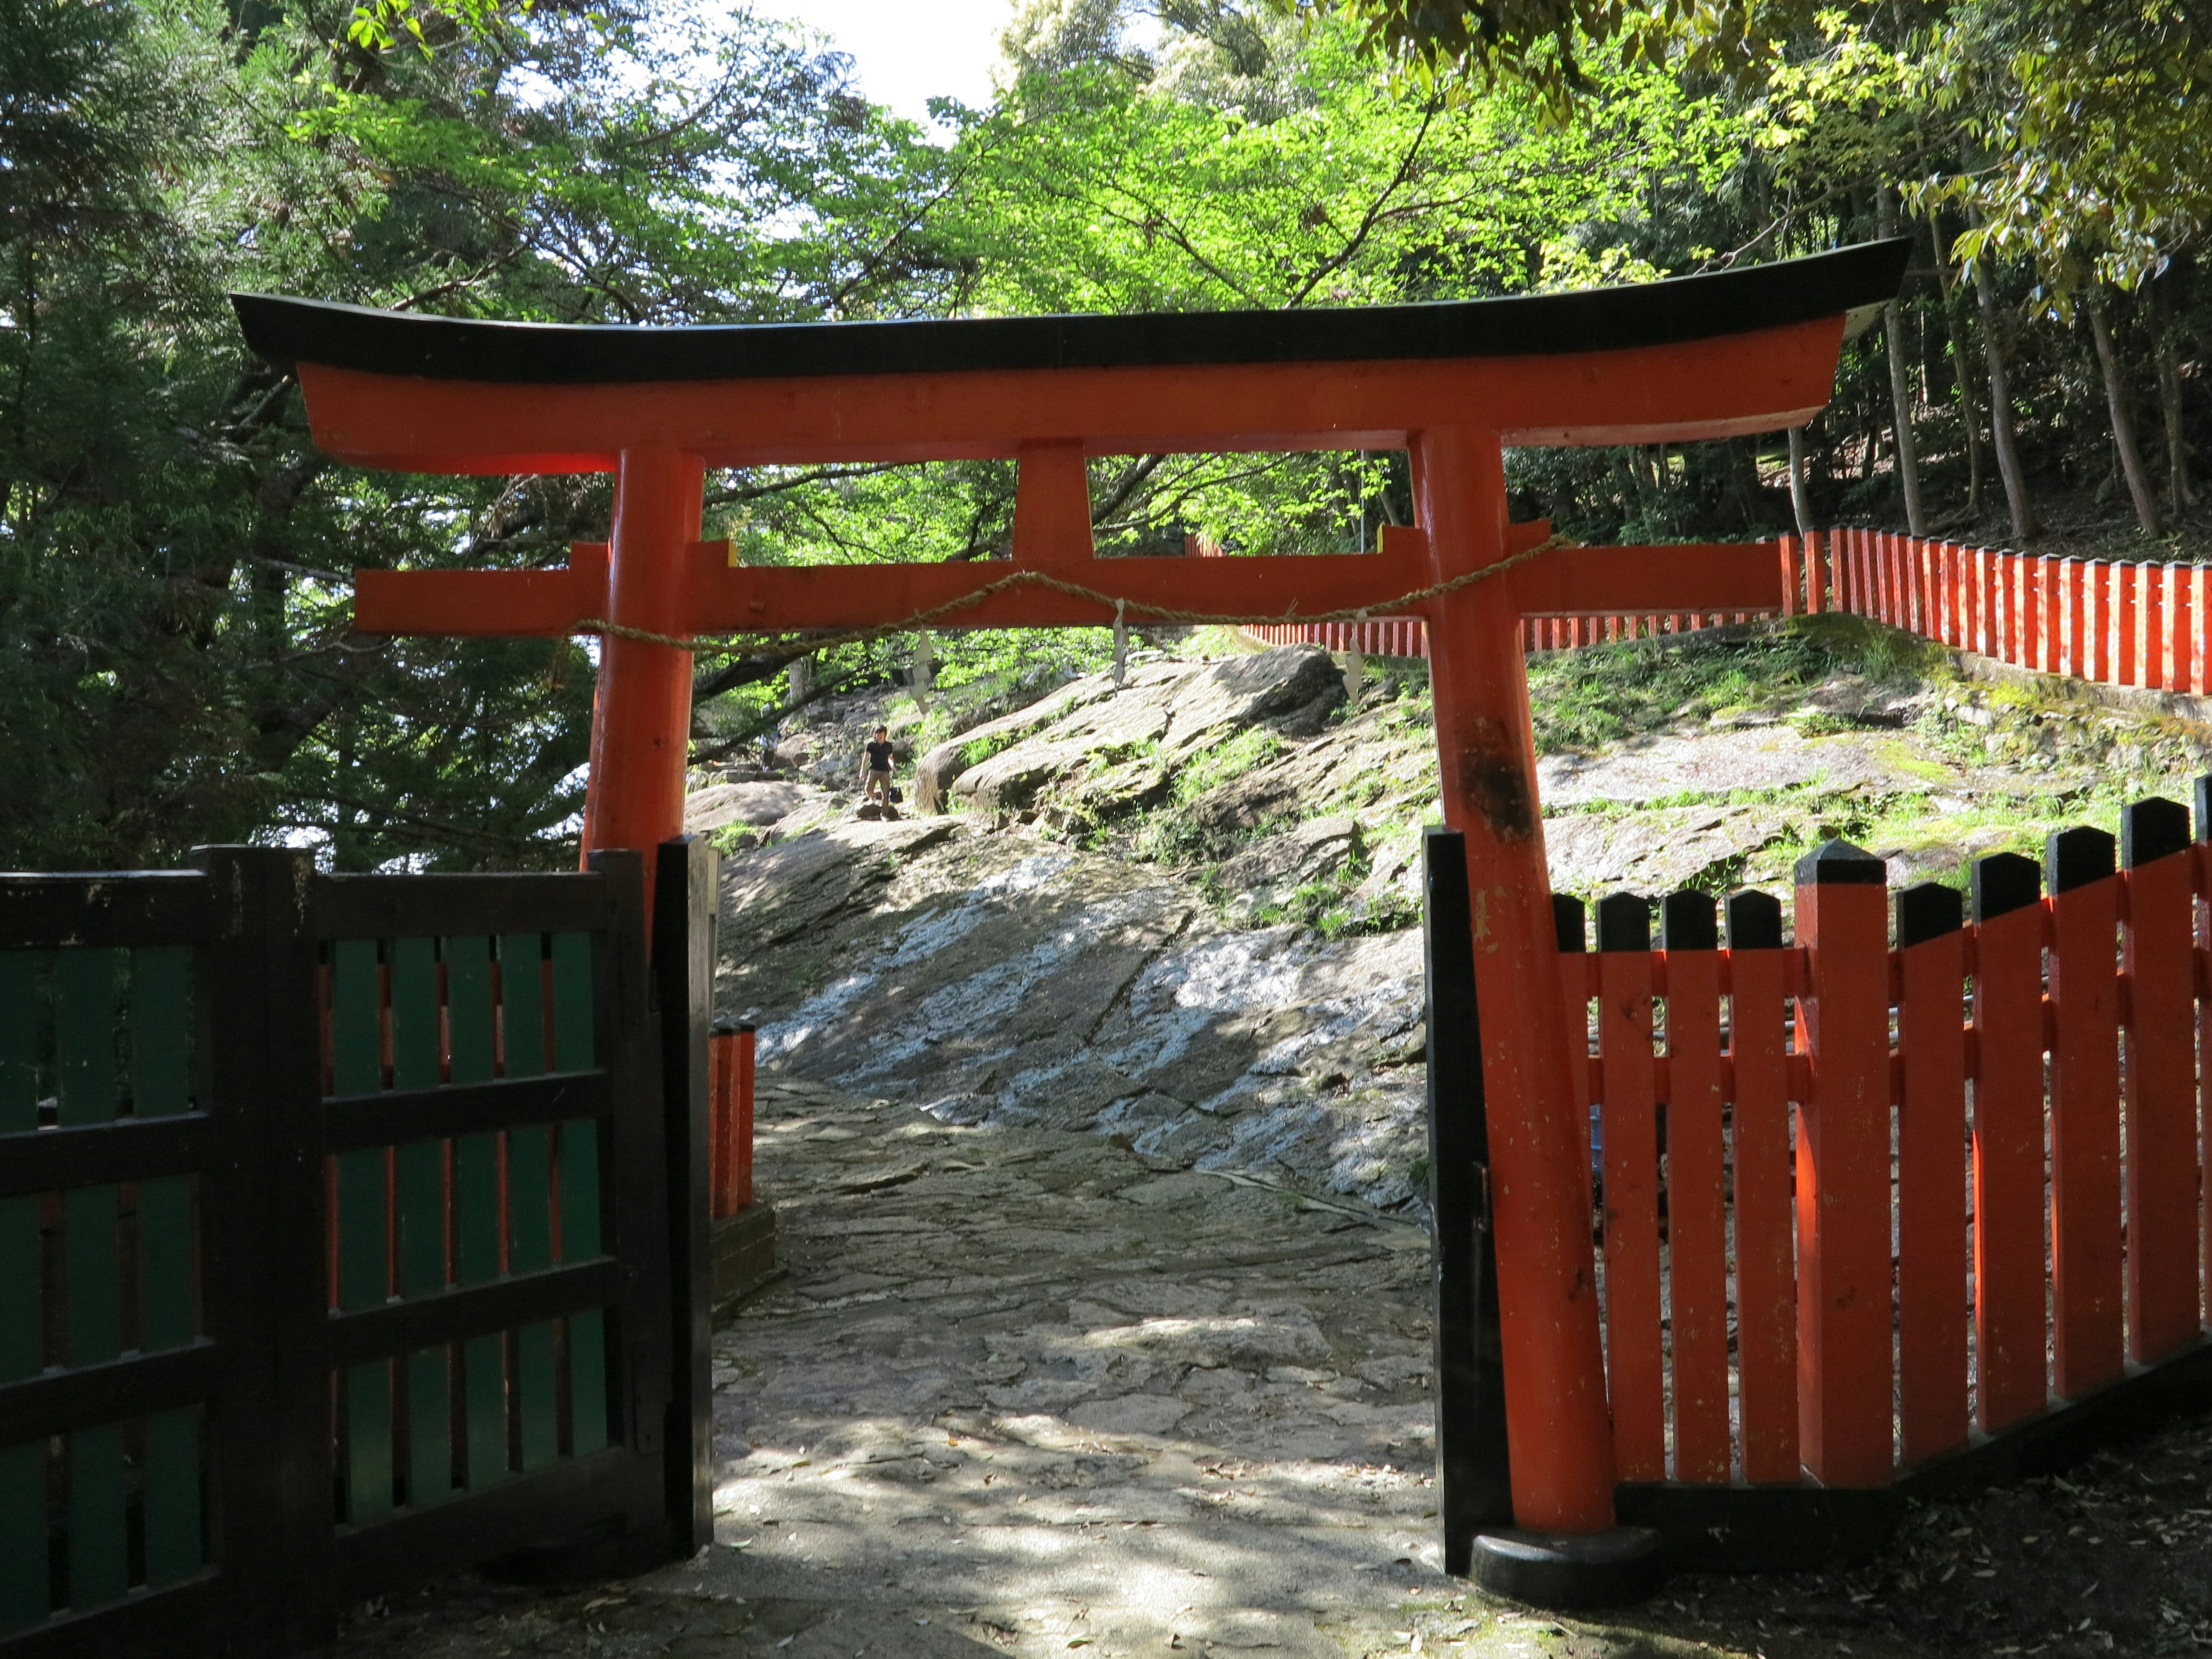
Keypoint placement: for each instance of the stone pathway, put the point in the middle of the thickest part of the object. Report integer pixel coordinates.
(1023, 1391)
(1025, 1386)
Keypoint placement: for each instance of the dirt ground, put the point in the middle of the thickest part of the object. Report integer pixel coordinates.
(1024, 1391)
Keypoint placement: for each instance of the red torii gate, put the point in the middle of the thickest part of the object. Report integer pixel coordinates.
(1732, 354)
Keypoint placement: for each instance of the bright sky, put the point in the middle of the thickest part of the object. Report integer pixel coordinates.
(908, 51)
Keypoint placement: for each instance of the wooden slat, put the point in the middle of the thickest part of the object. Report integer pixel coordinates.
(2162, 1151)
(1931, 1187)
(530, 1196)
(419, 1206)
(86, 1005)
(2151, 579)
(2074, 576)
(2100, 619)
(24, 1591)
(1966, 597)
(1844, 1297)
(2010, 1281)
(1765, 1252)
(398, 1117)
(2027, 614)
(197, 1616)
(1634, 1364)
(2127, 669)
(57, 1402)
(168, 1272)
(576, 1499)
(102, 1154)
(476, 1221)
(362, 1193)
(470, 1314)
(1997, 598)
(583, 1199)
(2180, 630)
(2085, 1112)
(2050, 600)
(145, 907)
(1697, 1178)
(400, 907)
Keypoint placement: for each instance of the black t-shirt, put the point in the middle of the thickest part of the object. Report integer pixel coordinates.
(879, 757)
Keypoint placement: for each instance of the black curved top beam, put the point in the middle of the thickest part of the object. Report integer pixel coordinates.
(1853, 281)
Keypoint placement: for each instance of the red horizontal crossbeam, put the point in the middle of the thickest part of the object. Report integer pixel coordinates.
(724, 598)
(1730, 386)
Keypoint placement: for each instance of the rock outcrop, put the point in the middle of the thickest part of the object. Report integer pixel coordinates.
(1184, 913)
(1164, 714)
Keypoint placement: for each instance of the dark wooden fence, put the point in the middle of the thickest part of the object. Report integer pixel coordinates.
(1910, 1203)
(351, 1229)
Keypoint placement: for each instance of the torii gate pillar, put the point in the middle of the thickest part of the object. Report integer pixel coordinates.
(1555, 1393)
(641, 718)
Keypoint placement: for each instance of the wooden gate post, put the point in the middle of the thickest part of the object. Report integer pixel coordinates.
(641, 719)
(1556, 1415)
(685, 908)
(1474, 1488)
(269, 1438)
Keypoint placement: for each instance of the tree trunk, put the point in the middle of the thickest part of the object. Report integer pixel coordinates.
(1900, 381)
(1970, 418)
(800, 673)
(2123, 419)
(2178, 495)
(1800, 502)
(2026, 527)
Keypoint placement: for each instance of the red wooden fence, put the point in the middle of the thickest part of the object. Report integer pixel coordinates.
(2122, 622)
(2125, 623)
(1408, 636)
(1939, 1157)
(730, 1054)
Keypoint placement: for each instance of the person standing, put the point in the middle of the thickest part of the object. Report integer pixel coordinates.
(876, 771)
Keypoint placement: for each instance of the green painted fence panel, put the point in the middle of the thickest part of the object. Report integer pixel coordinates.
(575, 1048)
(530, 1196)
(575, 1034)
(420, 1201)
(86, 987)
(23, 1588)
(477, 1206)
(357, 1068)
(169, 1269)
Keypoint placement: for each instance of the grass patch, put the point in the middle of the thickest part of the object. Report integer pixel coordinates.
(976, 750)
(1252, 748)
(1583, 700)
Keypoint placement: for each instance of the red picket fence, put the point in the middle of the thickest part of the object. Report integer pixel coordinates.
(1937, 1189)
(730, 1060)
(1408, 636)
(2121, 623)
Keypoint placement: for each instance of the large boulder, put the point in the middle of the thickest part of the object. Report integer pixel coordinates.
(801, 887)
(1274, 870)
(1169, 712)
(757, 804)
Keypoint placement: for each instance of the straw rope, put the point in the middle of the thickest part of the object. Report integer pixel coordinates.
(1075, 590)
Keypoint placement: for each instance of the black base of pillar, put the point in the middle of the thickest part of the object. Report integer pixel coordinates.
(1569, 1569)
